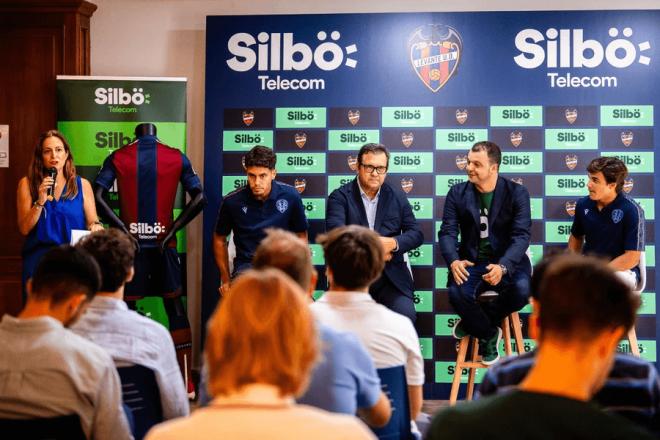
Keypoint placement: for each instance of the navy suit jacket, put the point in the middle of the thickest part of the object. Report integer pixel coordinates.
(509, 225)
(394, 218)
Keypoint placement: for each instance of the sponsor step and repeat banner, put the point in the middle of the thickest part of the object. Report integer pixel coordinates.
(98, 115)
(553, 89)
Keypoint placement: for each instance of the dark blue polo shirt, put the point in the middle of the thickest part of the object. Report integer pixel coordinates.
(248, 218)
(617, 228)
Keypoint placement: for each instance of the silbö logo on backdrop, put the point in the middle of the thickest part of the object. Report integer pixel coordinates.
(435, 53)
(278, 52)
(119, 100)
(568, 49)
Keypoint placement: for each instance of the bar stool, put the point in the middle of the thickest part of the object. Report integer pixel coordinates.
(511, 322)
(632, 334)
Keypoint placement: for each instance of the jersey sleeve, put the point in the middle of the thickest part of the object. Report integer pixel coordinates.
(633, 235)
(106, 177)
(298, 221)
(577, 229)
(224, 224)
(189, 178)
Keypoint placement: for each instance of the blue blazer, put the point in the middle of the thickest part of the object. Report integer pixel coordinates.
(509, 225)
(394, 218)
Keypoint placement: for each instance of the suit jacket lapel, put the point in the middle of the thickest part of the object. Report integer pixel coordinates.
(496, 205)
(357, 198)
(472, 202)
(383, 201)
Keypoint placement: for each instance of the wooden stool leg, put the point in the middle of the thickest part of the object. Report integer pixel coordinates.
(460, 359)
(471, 370)
(632, 340)
(517, 332)
(507, 335)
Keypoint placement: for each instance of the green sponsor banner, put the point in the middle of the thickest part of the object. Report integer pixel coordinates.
(535, 252)
(647, 349)
(557, 232)
(421, 256)
(317, 294)
(461, 139)
(648, 205)
(444, 373)
(335, 182)
(650, 255)
(626, 115)
(411, 163)
(317, 254)
(565, 185)
(528, 345)
(516, 116)
(180, 234)
(426, 347)
(438, 224)
(444, 324)
(314, 208)
(536, 207)
(298, 117)
(526, 309)
(648, 304)
(230, 183)
(441, 277)
(423, 300)
(92, 142)
(636, 162)
(445, 181)
(571, 139)
(301, 163)
(522, 162)
(244, 140)
(422, 208)
(351, 140)
(407, 116)
(88, 98)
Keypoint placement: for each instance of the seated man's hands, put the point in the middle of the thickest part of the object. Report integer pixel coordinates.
(459, 270)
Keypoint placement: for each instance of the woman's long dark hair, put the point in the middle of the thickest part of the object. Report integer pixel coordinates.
(36, 169)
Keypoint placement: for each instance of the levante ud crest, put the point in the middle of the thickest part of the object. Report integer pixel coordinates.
(435, 53)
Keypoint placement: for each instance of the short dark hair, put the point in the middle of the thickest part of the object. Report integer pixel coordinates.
(286, 252)
(613, 169)
(492, 150)
(114, 252)
(63, 272)
(354, 254)
(581, 297)
(373, 149)
(260, 156)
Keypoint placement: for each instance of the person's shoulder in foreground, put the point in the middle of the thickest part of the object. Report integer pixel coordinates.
(294, 422)
(529, 415)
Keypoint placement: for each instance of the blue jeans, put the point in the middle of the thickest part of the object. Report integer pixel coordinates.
(481, 320)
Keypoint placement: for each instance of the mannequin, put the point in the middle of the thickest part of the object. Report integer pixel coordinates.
(148, 173)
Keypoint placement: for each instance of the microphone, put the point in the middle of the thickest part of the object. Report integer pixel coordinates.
(51, 172)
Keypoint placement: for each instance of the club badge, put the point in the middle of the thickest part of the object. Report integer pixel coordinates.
(617, 215)
(627, 138)
(300, 139)
(282, 205)
(461, 162)
(461, 116)
(407, 184)
(571, 161)
(407, 139)
(628, 185)
(571, 115)
(570, 208)
(516, 138)
(435, 52)
(352, 162)
(354, 116)
(299, 185)
(248, 117)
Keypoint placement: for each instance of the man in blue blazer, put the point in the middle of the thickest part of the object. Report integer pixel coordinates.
(371, 202)
(492, 216)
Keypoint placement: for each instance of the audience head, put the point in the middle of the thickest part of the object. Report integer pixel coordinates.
(353, 256)
(113, 250)
(261, 333)
(287, 252)
(65, 278)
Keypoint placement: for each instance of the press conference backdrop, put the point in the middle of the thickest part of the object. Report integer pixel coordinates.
(98, 115)
(553, 89)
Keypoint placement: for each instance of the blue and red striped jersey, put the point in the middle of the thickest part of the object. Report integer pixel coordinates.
(148, 173)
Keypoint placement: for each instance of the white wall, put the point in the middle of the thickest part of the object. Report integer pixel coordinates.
(167, 38)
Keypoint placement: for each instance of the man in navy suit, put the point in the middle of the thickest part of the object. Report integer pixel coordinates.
(371, 202)
(492, 215)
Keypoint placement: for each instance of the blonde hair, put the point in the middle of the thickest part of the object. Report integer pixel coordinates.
(262, 332)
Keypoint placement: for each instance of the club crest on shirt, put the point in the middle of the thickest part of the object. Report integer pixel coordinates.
(570, 208)
(354, 116)
(461, 115)
(407, 139)
(248, 117)
(243, 162)
(627, 138)
(300, 139)
(281, 205)
(352, 162)
(299, 185)
(571, 115)
(617, 215)
(628, 185)
(571, 161)
(461, 162)
(407, 184)
(586, 211)
(244, 209)
(516, 138)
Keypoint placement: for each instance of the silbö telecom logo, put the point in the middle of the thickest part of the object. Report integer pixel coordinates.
(119, 100)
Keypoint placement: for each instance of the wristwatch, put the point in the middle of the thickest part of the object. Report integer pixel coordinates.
(504, 269)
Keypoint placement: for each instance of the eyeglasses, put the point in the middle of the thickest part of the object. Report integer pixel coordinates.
(370, 169)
